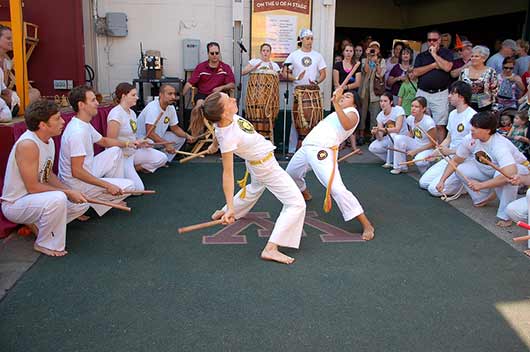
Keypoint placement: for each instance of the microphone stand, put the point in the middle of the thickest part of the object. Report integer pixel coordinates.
(285, 102)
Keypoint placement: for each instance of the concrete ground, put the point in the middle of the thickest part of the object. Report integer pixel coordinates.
(17, 255)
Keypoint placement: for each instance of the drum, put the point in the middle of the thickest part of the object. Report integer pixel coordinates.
(263, 101)
(307, 109)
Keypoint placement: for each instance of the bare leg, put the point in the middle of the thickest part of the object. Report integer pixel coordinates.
(49, 252)
(368, 229)
(271, 252)
(353, 142)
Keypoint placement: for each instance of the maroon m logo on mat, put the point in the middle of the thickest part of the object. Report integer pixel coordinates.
(231, 234)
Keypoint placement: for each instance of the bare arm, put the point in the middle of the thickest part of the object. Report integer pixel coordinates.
(335, 76)
(113, 129)
(186, 88)
(420, 71)
(442, 63)
(79, 172)
(228, 185)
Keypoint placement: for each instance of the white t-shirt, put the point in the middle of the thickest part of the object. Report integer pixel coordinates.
(394, 114)
(14, 187)
(241, 138)
(499, 149)
(271, 65)
(128, 125)
(78, 140)
(149, 115)
(312, 62)
(426, 124)
(459, 126)
(329, 132)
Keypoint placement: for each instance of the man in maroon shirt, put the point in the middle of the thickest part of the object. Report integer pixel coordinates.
(210, 76)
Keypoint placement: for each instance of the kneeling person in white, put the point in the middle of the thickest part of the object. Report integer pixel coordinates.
(416, 144)
(518, 209)
(155, 118)
(236, 135)
(484, 182)
(95, 176)
(32, 193)
(319, 152)
(390, 121)
(122, 125)
(457, 128)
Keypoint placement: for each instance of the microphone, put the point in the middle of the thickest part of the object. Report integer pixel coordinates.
(241, 46)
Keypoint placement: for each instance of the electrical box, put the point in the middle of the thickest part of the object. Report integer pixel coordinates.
(116, 24)
(191, 51)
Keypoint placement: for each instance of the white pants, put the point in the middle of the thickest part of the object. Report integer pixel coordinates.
(293, 138)
(406, 143)
(50, 211)
(518, 210)
(306, 158)
(506, 193)
(171, 137)
(430, 179)
(148, 158)
(379, 148)
(107, 165)
(289, 225)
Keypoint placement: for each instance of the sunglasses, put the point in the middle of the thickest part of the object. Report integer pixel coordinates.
(508, 67)
(214, 53)
(432, 40)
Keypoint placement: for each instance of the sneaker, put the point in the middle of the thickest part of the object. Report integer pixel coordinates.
(397, 171)
(387, 166)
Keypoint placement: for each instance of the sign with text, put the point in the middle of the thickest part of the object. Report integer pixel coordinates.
(278, 23)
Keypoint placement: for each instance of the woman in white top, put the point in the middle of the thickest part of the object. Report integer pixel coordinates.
(121, 124)
(263, 63)
(390, 121)
(415, 144)
(235, 135)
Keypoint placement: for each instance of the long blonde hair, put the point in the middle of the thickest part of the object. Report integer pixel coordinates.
(211, 109)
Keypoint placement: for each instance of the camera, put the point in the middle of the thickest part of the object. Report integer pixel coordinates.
(371, 51)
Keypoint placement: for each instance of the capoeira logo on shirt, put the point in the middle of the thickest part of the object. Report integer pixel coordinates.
(481, 156)
(460, 127)
(134, 127)
(417, 133)
(245, 126)
(306, 61)
(166, 119)
(232, 234)
(44, 176)
(322, 154)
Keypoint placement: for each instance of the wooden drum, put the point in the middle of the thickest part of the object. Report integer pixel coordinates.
(263, 101)
(307, 109)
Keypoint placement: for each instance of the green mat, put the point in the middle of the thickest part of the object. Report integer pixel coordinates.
(428, 282)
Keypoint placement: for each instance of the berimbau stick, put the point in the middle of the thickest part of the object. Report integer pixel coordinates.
(198, 155)
(352, 72)
(200, 226)
(147, 191)
(152, 128)
(108, 204)
(418, 160)
(489, 163)
(342, 158)
(396, 150)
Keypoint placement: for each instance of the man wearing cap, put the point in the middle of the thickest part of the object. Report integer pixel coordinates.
(464, 49)
(308, 67)
(507, 50)
(433, 67)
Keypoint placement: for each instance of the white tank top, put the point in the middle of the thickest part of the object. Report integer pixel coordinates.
(14, 187)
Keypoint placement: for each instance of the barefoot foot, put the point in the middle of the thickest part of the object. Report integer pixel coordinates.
(491, 198)
(503, 223)
(49, 252)
(527, 252)
(83, 218)
(218, 214)
(276, 256)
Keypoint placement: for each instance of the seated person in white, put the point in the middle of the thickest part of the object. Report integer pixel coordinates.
(415, 144)
(482, 182)
(457, 128)
(235, 135)
(122, 125)
(518, 209)
(96, 177)
(32, 193)
(155, 118)
(319, 152)
(390, 121)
